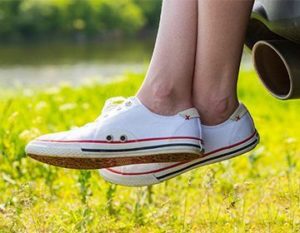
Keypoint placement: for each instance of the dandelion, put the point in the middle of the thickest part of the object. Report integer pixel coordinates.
(28, 92)
(67, 107)
(52, 91)
(2, 208)
(290, 140)
(40, 106)
(27, 135)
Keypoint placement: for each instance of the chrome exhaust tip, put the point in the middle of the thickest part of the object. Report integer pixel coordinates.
(277, 63)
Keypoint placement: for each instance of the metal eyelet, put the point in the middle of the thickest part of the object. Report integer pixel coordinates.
(109, 138)
(128, 103)
(123, 138)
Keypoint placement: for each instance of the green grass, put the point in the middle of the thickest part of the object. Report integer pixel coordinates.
(257, 192)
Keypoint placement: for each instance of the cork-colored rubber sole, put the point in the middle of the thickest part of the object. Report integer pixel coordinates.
(98, 163)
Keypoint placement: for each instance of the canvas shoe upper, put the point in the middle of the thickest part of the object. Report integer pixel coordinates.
(125, 133)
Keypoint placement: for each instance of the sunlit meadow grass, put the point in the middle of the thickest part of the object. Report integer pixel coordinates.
(256, 192)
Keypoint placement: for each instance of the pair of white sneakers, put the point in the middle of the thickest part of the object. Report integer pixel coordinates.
(133, 146)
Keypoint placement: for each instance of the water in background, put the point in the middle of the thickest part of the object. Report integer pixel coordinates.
(47, 64)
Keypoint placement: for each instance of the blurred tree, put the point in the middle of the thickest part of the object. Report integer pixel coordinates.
(48, 18)
(8, 19)
(151, 11)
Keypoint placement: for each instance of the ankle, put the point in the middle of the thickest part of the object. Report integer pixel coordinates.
(163, 100)
(217, 110)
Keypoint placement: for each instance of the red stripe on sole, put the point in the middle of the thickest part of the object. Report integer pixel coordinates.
(180, 163)
(120, 142)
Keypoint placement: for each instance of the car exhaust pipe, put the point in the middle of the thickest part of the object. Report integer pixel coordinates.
(273, 36)
(277, 63)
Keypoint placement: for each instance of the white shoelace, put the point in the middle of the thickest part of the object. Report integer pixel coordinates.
(114, 103)
(110, 105)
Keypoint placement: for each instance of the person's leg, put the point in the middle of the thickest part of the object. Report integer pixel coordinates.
(167, 88)
(221, 30)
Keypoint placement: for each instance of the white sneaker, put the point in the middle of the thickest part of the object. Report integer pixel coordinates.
(234, 137)
(125, 133)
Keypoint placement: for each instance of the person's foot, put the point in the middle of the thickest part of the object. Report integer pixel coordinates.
(125, 133)
(233, 137)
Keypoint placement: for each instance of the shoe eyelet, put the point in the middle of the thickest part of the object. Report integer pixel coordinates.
(109, 138)
(123, 138)
(128, 103)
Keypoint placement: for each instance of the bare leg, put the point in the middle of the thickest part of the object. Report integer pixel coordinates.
(167, 88)
(221, 31)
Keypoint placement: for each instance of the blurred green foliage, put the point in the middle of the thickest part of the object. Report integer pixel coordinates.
(48, 18)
